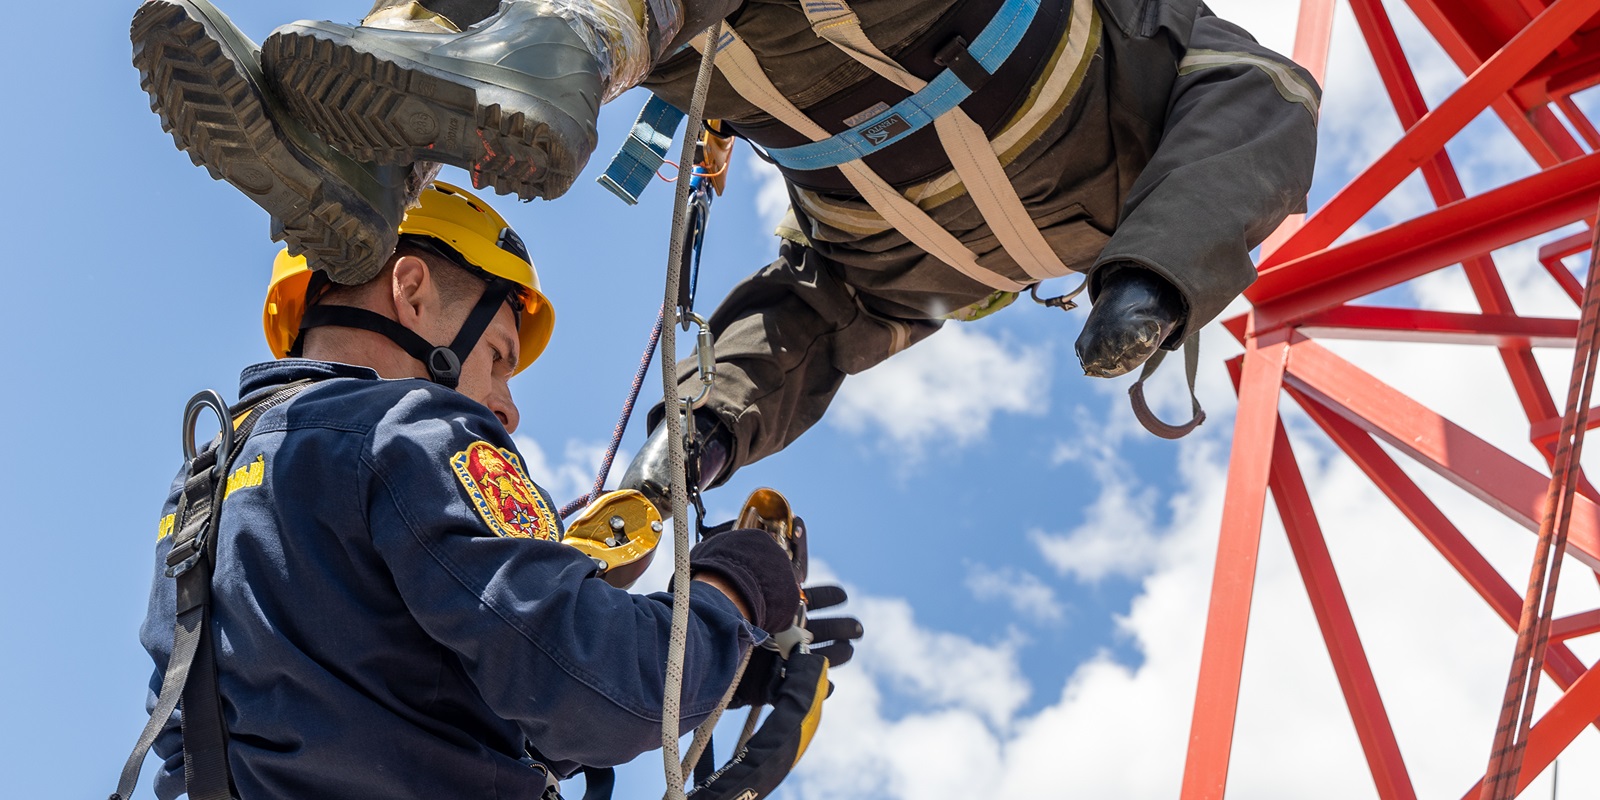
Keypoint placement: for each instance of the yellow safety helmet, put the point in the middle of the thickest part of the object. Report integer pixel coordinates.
(468, 228)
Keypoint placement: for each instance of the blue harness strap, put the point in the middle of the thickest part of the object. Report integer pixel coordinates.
(644, 152)
(941, 96)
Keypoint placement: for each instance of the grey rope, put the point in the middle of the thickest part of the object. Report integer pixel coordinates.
(751, 720)
(671, 711)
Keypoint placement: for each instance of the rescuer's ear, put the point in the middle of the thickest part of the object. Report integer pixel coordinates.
(413, 291)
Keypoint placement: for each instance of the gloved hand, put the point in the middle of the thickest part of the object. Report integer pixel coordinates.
(758, 569)
(1135, 311)
(831, 637)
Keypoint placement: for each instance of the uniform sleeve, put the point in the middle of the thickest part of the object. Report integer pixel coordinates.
(156, 636)
(1234, 161)
(579, 665)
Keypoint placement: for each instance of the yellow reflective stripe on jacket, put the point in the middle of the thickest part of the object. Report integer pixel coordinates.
(1289, 83)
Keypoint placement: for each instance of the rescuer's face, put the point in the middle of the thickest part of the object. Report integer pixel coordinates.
(420, 304)
(486, 374)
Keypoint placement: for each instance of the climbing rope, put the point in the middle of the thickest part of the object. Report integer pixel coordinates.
(1538, 607)
(622, 422)
(676, 421)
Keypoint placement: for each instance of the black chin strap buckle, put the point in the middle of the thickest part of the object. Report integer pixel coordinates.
(444, 367)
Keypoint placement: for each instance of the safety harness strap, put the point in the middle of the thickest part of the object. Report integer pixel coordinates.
(191, 668)
(443, 363)
(963, 140)
(1141, 409)
(834, 21)
(739, 65)
(190, 623)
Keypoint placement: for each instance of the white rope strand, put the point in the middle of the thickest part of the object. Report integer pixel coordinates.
(671, 711)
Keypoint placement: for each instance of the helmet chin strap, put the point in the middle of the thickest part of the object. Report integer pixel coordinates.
(443, 363)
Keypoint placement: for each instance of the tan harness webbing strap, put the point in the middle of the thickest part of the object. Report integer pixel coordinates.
(966, 145)
(738, 64)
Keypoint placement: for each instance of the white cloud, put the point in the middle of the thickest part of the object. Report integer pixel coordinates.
(1022, 590)
(1117, 536)
(772, 194)
(946, 389)
(1114, 730)
(570, 476)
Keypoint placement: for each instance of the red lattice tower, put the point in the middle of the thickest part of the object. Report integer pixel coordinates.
(1524, 60)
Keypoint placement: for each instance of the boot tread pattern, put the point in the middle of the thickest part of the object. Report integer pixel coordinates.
(374, 109)
(214, 114)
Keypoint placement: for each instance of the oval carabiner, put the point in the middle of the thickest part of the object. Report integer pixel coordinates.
(191, 415)
(705, 352)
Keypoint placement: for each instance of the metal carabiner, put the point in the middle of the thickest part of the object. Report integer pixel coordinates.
(705, 351)
(191, 415)
(1065, 302)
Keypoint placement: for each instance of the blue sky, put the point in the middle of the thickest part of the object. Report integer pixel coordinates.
(1032, 569)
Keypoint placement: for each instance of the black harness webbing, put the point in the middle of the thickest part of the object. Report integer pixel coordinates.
(443, 363)
(191, 669)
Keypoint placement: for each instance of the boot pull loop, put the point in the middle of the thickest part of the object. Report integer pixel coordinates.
(1141, 408)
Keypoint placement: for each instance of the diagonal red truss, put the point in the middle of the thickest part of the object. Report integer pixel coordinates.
(1524, 60)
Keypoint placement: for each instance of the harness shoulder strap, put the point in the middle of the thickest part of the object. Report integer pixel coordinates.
(191, 669)
(738, 64)
(963, 140)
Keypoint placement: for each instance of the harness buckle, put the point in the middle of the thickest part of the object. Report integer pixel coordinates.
(444, 367)
(955, 57)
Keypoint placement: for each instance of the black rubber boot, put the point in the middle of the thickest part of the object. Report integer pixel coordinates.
(204, 80)
(512, 100)
(650, 473)
(1134, 314)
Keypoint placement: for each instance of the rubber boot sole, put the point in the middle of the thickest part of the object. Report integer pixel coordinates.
(207, 98)
(380, 105)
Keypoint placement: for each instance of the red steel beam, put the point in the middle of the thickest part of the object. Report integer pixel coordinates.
(1313, 39)
(1494, 79)
(1571, 627)
(1537, 204)
(1562, 665)
(1438, 327)
(1350, 662)
(1506, 484)
(1545, 431)
(1445, 186)
(1580, 121)
(1216, 702)
(1567, 718)
(1467, 57)
(1551, 256)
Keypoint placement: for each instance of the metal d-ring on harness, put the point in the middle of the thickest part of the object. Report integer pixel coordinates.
(191, 674)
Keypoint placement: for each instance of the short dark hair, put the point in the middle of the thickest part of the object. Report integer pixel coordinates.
(457, 284)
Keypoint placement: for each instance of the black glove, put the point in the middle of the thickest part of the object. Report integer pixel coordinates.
(1135, 312)
(832, 637)
(758, 569)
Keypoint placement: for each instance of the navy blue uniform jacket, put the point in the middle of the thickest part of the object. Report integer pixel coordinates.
(395, 619)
